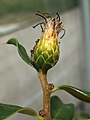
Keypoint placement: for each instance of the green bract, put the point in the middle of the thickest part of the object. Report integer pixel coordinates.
(46, 54)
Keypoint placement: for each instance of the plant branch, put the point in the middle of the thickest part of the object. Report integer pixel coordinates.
(46, 96)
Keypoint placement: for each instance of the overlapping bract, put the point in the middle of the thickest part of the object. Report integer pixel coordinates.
(46, 54)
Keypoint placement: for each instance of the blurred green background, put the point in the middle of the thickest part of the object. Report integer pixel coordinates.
(19, 10)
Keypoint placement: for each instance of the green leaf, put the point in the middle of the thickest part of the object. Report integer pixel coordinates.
(22, 52)
(82, 116)
(61, 111)
(7, 110)
(80, 94)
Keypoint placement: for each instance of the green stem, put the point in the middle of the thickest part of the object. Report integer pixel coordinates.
(46, 95)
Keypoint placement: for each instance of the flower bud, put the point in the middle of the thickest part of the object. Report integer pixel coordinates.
(45, 53)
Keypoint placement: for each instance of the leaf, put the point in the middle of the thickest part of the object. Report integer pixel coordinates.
(82, 116)
(61, 111)
(7, 110)
(80, 94)
(22, 52)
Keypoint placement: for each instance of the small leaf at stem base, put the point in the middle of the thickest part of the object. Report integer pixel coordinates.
(7, 110)
(61, 111)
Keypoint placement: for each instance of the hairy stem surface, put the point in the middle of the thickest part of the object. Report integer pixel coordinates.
(46, 95)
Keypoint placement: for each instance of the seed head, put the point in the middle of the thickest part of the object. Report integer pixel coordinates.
(45, 53)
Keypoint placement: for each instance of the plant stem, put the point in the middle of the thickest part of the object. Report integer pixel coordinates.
(46, 95)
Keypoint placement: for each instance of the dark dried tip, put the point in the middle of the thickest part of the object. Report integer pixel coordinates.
(42, 113)
(64, 31)
(41, 15)
(38, 24)
(50, 86)
(37, 41)
(58, 16)
(32, 51)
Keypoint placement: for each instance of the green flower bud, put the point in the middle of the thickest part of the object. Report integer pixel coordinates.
(45, 53)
